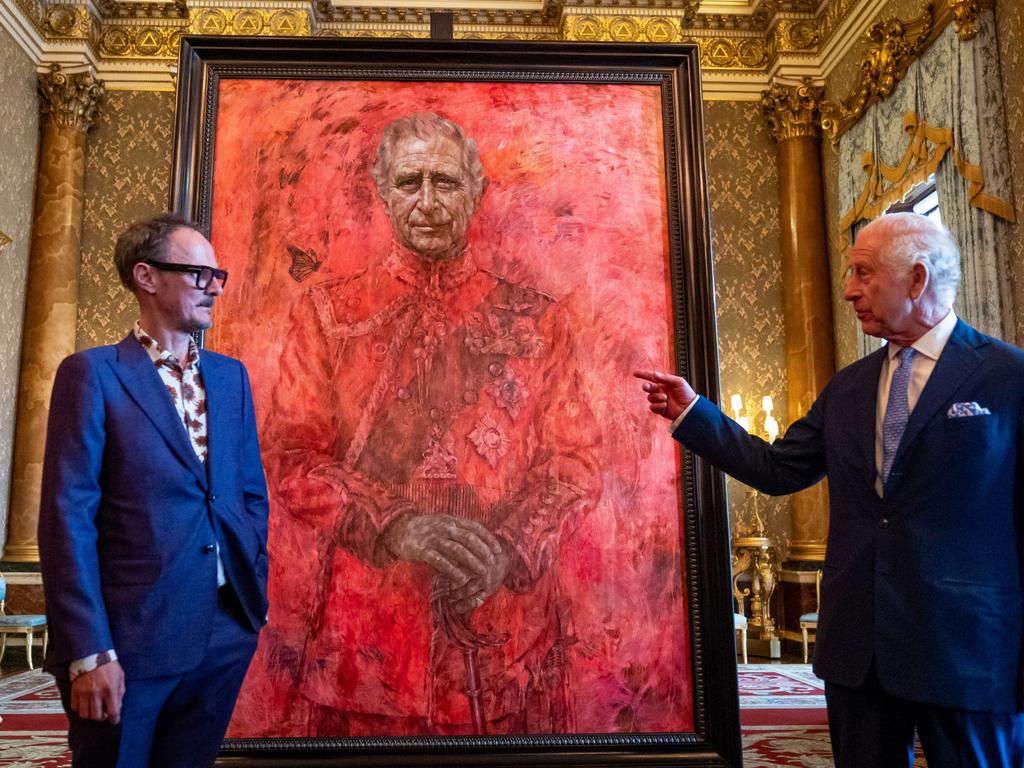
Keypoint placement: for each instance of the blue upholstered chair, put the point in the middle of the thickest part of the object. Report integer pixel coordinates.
(810, 620)
(26, 624)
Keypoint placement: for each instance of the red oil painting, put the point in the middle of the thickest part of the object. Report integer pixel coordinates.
(475, 526)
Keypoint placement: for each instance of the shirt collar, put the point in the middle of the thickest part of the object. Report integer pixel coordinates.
(933, 342)
(161, 356)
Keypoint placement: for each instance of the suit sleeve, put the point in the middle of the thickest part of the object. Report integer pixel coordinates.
(70, 501)
(790, 464)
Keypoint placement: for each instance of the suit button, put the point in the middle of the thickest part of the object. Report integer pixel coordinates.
(884, 523)
(208, 548)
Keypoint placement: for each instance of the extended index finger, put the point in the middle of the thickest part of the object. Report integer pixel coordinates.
(653, 376)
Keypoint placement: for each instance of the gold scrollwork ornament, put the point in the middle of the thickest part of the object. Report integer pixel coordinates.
(965, 17)
(892, 47)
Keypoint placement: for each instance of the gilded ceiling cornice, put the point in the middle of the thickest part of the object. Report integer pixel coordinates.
(69, 100)
(741, 47)
(893, 45)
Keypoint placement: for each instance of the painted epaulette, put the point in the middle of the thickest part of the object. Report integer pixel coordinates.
(345, 307)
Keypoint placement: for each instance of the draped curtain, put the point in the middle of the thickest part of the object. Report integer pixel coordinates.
(945, 118)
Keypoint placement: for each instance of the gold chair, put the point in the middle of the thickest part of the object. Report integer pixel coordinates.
(21, 624)
(739, 619)
(740, 624)
(810, 620)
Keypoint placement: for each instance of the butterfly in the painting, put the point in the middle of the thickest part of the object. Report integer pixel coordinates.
(304, 263)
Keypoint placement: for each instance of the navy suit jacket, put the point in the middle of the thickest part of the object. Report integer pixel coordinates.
(926, 580)
(129, 515)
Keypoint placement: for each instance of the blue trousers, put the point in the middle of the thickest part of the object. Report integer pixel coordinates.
(170, 722)
(871, 729)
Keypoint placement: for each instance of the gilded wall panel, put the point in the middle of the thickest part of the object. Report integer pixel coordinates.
(743, 187)
(1010, 28)
(127, 177)
(19, 145)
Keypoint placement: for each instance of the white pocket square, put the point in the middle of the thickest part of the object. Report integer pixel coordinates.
(960, 410)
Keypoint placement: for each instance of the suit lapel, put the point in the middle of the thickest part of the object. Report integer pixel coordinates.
(215, 381)
(956, 363)
(139, 376)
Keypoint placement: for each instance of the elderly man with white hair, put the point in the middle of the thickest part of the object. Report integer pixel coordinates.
(921, 622)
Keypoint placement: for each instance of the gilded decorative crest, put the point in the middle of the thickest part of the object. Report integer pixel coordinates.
(892, 47)
(965, 17)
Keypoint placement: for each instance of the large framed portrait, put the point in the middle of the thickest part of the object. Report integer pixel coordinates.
(446, 260)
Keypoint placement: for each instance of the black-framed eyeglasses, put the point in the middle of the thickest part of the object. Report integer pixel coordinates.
(204, 275)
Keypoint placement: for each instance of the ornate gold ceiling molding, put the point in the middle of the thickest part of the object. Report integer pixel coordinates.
(743, 44)
(793, 111)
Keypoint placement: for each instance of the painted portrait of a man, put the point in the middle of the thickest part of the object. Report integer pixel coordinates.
(459, 545)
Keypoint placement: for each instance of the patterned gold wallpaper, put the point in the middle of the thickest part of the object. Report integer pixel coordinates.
(743, 186)
(1010, 28)
(19, 146)
(127, 174)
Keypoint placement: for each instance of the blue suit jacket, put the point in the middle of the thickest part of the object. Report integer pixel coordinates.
(128, 513)
(927, 579)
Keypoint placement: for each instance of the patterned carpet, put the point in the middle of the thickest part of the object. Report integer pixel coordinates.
(782, 709)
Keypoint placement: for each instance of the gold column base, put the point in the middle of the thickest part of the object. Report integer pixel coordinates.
(811, 553)
(26, 553)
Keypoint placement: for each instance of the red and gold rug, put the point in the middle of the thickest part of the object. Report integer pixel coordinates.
(782, 710)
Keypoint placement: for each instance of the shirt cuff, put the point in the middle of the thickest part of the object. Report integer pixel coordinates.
(89, 663)
(679, 419)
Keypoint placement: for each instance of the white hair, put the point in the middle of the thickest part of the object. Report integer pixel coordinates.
(911, 239)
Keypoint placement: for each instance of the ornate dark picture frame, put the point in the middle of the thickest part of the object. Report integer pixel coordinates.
(211, 67)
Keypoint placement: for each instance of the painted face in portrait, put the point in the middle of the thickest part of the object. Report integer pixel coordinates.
(429, 197)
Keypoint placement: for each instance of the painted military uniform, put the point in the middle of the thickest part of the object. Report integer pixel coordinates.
(434, 388)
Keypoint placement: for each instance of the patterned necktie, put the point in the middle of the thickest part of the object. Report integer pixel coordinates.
(897, 411)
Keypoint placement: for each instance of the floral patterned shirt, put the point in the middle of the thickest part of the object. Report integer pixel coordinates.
(184, 383)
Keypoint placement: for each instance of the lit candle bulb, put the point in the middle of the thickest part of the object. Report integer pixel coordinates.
(771, 426)
(766, 404)
(744, 422)
(737, 406)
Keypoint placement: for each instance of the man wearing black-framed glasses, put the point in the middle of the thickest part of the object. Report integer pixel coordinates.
(153, 519)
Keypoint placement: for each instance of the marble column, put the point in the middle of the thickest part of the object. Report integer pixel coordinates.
(68, 106)
(792, 112)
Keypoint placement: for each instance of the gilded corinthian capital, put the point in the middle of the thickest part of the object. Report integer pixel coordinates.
(69, 101)
(792, 111)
